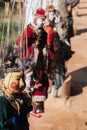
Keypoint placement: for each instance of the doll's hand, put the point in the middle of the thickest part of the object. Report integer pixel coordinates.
(38, 85)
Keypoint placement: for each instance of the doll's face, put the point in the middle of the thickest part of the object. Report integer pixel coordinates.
(39, 22)
(51, 15)
(16, 83)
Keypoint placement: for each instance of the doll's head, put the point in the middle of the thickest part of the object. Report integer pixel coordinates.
(14, 82)
(39, 17)
(50, 12)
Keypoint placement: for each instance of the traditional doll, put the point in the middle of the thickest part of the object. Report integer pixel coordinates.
(50, 15)
(32, 34)
(50, 24)
(59, 72)
(57, 47)
(39, 79)
(62, 53)
(49, 28)
(14, 104)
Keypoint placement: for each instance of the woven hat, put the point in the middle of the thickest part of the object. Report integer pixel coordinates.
(40, 13)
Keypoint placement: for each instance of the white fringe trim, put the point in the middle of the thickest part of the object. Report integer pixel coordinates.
(39, 98)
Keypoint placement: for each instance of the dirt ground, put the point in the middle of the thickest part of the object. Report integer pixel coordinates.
(70, 114)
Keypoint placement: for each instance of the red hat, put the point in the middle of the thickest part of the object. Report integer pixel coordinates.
(50, 8)
(40, 13)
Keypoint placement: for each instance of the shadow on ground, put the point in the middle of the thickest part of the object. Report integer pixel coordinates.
(82, 15)
(82, 7)
(79, 81)
(80, 31)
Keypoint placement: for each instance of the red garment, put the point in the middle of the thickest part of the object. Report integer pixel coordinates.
(50, 34)
(25, 40)
(40, 93)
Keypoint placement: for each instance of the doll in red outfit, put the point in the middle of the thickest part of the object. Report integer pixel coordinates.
(49, 24)
(31, 42)
(49, 28)
(39, 80)
(32, 34)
